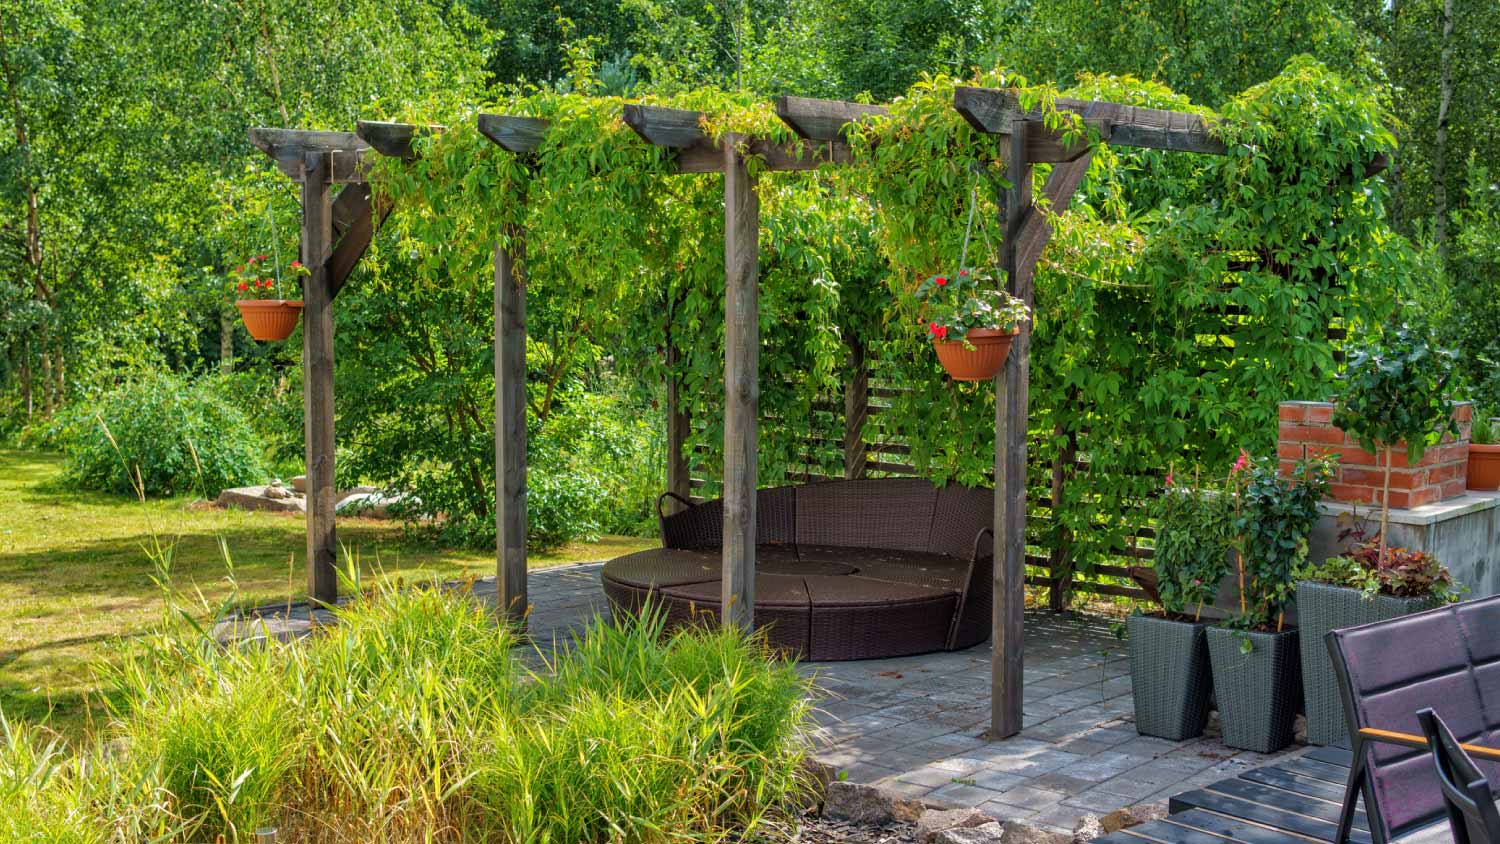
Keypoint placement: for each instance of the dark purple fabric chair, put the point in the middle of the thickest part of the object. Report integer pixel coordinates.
(1472, 816)
(1446, 659)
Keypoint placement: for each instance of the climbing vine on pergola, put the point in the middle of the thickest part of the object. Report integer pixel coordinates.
(557, 160)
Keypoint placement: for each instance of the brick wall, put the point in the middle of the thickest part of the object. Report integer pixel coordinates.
(1307, 431)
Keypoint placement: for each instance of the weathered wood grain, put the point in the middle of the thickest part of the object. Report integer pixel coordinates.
(679, 428)
(666, 127)
(741, 386)
(996, 110)
(823, 120)
(856, 410)
(368, 215)
(510, 431)
(317, 364)
(1011, 397)
(521, 135)
(287, 147)
(393, 139)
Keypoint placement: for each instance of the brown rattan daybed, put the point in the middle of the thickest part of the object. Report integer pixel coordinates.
(844, 569)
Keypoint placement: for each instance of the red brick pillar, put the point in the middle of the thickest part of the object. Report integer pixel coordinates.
(1307, 430)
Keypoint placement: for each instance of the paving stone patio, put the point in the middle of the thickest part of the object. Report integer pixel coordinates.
(917, 724)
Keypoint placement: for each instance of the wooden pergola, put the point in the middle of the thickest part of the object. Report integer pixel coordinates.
(336, 230)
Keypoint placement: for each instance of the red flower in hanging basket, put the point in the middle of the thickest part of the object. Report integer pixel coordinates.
(296, 265)
(244, 286)
(940, 281)
(981, 318)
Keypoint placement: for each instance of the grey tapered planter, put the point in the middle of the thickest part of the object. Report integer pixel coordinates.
(1258, 692)
(1169, 676)
(1322, 607)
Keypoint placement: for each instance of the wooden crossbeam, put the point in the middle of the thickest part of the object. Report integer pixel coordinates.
(682, 130)
(823, 120)
(287, 147)
(521, 135)
(365, 216)
(393, 139)
(995, 110)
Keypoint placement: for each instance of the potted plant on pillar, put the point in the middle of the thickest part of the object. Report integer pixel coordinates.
(1254, 656)
(267, 316)
(972, 322)
(1484, 452)
(1393, 396)
(1169, 669)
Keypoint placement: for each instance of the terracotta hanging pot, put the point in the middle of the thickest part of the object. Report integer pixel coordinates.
(981, 363)
(270, 319)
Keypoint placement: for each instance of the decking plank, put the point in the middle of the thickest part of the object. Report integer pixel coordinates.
(1268, 815)
(1302, 766)
(1163, 832)
(1234, 829)
(1277, 776)
(1332, 755)
(1130, 836)
(1288, 801)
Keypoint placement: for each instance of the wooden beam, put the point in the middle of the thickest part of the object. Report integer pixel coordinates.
(823, 120)
(521, 135)
(317, 389)
(679, 428)
(797, 155)
(1036, 229)
(741, 385)
(677, 128)
(393, 139)
(510, 430)
(1011, 396)
(856, 409)
(996, 111)
(368, 216)
(287, 147)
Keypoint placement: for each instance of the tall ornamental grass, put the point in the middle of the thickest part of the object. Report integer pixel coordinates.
(417, 719)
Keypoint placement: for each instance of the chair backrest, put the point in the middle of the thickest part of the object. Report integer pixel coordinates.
(890, 513)
(1466, 793)
(1390, 670)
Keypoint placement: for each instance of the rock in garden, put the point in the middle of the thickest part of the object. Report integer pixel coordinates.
(934, 821)
(277, 491)
(987, 833)
(255, 498)
(1087, 829)
(370, 505)
(1017, 832)
(1132, 816)
(299, 483)
(868, 804)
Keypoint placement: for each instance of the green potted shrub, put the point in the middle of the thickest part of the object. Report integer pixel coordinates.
(1358, 587)
(1169, 670)
(972, 322)
(1254, 656)
(1484, 452)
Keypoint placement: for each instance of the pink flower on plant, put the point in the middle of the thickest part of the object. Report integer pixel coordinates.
(260, 257)
(1169, 477)
(296, 265)
(1241, 462)
(963, 272)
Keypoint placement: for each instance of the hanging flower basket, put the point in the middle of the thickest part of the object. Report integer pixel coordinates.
(266, 316)
(270, 319)
(972, 323)
(978, 359)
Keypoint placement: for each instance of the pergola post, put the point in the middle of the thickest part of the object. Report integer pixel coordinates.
(1011, 398)
(317, 365)
(856, 409)
(510, 430)
(679, 427)
(741, 384)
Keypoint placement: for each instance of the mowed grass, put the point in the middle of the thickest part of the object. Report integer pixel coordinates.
(75, 576)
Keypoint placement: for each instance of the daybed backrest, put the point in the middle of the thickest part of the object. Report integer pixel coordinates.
(961, 513)
(1390, 670)
(702, 526)
(893, 513)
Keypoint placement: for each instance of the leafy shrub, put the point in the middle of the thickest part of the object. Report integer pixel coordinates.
(1193, 538)
(1403, 573)
(411, 721)
(180, 435)
(1272, 519)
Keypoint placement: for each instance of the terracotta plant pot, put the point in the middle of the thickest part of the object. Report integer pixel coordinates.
(981, 363)
(270, 319)
(1484, 467)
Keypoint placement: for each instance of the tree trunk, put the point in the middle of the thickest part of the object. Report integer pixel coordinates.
(46, 384)
(26, 396)
(226, 341)
(59, 382)
(1440, 143)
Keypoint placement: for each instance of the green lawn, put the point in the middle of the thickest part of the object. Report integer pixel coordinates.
(75, 575)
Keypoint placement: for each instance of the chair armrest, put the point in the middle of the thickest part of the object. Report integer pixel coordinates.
(669, 494)
(975, 556)
(1420, 742)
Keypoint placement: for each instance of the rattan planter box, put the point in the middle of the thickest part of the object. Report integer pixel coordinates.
(1169, 676)
(1321, 608)
(1258, 692)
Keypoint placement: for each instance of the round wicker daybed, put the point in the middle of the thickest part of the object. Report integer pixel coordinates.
(844, 569)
